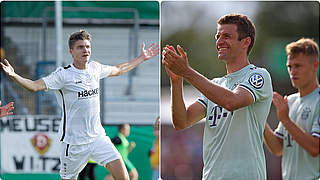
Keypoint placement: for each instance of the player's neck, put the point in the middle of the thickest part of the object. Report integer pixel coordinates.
(237, 64)
(309, 88)
(80, 66)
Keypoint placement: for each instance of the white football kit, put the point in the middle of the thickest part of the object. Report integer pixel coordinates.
(77, 93)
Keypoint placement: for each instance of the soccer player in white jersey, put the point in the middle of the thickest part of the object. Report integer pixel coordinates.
(235, 106)
(298, 134)
(77, 88)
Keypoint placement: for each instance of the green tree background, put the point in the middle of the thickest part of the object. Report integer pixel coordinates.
(277, 24)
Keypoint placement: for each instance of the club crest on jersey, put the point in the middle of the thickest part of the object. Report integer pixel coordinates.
(305, 113)
(256, 80)
(41, 143)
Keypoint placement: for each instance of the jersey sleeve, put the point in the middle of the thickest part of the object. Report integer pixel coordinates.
(315, 131)
(280, 131)
(55, 80)
(258, 84)
(104, 70)
(203, 101)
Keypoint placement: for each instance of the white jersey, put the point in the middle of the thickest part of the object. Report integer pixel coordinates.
(77, 93)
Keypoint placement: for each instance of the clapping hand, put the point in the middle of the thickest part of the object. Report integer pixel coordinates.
(281, 106)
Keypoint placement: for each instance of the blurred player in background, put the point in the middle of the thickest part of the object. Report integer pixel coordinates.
(125, 147)
(6, 110)
(155, 151)
(298, 134)
(236, 105)
(77, 89)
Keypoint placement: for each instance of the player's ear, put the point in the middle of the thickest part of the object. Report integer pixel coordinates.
(316, 64)
(246, 42)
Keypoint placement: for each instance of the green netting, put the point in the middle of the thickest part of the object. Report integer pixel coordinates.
(146, 9)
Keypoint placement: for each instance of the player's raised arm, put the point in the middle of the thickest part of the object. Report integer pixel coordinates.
(25, 83)
(230, 100)
(306, 140)
(182, 117)
(145, 54)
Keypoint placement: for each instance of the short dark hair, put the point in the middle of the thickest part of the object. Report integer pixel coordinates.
(121, 126)
(245, 27)
(81, 35)
(306, 46)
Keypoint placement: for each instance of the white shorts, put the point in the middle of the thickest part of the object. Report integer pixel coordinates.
(75, 157)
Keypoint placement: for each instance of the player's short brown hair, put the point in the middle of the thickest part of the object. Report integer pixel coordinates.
(245, 27)
(306, 46)
(122, 126)
(81, 35)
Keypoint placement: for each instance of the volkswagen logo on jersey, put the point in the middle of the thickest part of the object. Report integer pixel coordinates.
(256, 80)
